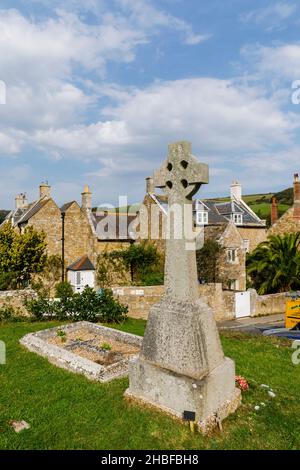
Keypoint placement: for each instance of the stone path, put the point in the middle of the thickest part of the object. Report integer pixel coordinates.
(252, 324)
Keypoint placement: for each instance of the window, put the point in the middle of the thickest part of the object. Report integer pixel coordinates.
(202, 217)
(233, 284)
(232, 255)
(78, 278)
(237, 219)
(246, 245)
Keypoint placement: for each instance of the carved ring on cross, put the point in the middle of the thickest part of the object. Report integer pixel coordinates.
(177, 179)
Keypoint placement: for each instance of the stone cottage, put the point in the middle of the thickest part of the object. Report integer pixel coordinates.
(72, 231)
(233, 224)
(289, 222)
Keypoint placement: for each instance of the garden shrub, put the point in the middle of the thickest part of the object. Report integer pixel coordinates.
(153, 279)
(89, 306)
(63, 290)
(7, 281)
(7, 313)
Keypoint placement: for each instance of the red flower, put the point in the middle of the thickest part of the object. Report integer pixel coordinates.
(242, 383)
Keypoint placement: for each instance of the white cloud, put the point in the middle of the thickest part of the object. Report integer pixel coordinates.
(271, 16)
(225, 122)
(278, 62)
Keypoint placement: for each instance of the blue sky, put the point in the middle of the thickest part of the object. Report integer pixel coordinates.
(96, 89)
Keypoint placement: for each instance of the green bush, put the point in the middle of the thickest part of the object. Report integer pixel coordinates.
(7, 313)
(153, 279)
(89, 306)
(63, 290)
(7, 281)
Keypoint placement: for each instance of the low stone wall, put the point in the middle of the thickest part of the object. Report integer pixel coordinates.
(15, 299)
(267, 304)
(140, 299)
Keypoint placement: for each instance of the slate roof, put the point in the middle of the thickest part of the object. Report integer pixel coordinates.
(115, 226)
(219, 213)
(66, 206)
(82, 264)
(32, 210)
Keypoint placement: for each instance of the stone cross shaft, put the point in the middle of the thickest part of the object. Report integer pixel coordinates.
(180, 176)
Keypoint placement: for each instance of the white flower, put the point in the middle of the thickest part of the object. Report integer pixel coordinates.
(271, 394)
(257, 408)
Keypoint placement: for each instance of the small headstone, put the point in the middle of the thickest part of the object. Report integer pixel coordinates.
(19, 426)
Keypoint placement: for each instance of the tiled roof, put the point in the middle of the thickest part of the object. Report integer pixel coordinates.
(82, 264)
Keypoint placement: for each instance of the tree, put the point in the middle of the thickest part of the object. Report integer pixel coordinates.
(274, 266)
(142, 261)
(45, 283)
(208, 260)
(22, 255)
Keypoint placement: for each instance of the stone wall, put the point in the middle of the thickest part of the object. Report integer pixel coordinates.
(255, 235)
(286, 224)
(267, 304)
(140, 299)
(15, 299)
(48, 220)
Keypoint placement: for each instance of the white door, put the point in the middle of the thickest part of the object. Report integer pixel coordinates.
(242, 304)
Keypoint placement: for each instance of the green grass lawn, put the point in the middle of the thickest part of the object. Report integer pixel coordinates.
(66, 411)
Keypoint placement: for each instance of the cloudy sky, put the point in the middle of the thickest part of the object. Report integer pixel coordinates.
(96, 89)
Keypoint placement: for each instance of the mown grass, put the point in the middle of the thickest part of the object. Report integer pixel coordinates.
(66, 411)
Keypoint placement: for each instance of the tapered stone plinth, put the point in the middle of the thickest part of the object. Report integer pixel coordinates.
(189, 373)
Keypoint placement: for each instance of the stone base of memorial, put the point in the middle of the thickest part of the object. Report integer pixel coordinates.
(181, 366)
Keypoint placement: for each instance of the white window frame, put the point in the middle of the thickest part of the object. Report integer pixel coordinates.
(202, 217)
(232, 256)
(237, 219)
(234, 284)
(246, 245)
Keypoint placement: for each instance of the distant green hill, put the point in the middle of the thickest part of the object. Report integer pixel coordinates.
(261, 203)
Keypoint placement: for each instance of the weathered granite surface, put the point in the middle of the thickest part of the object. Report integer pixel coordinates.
(181, 366)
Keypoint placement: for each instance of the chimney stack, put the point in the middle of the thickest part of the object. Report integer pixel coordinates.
(274, 211)
(86, 198)
(21, 201)
(296, 197)
(45, 190)
(236, 191)
(150, 185)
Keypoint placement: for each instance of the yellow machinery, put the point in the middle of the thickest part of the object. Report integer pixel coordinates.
(292, 313)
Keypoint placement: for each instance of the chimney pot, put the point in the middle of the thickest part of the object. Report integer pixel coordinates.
(86, 198)
(150, 185)
(21, 201)
(274, 211)
(296, 197)
(45, 190)
(236, 191)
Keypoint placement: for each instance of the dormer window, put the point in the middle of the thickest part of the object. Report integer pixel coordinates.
(237, 219)
(202, 217)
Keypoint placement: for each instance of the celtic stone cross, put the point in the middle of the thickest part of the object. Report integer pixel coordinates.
(181, 176)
